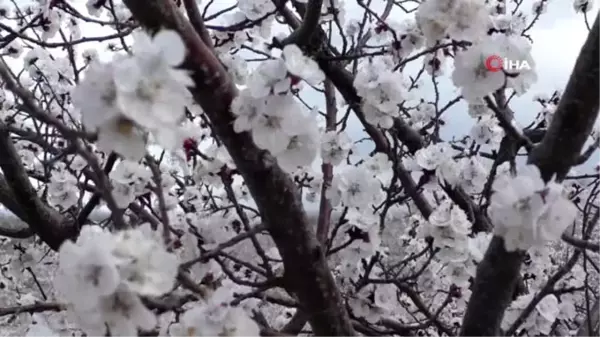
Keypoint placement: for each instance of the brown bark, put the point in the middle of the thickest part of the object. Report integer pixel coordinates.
(306, 271)
(571, 126)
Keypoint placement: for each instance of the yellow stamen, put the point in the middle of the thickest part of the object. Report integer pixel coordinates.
(125, 126)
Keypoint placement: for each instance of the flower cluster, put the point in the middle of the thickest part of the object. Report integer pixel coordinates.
(335, 147)
(270, 112)
(382, 91)
(136, 94)
(216, 317)
(450, 229)
(476, 81)
(129, 180)
(458, 20)
(528, 212)
(102, 276)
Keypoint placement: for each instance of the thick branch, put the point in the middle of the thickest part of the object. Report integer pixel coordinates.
(43, 220)
(310, 23)
(575, 114)
(13, 223)
(571, 125)
(278, 199)
(191, 7)
(13, 227)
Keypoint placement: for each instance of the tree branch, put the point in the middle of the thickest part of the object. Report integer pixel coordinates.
(306, 271)
(31, 308)
(191, 7)
(575, 114)
(46, 222)
(14, 224)
(13, 227)
(309, 25)
(96, 197)
(571, 125)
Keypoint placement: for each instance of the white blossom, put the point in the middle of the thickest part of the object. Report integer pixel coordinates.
(355, 187)
(300, 65)
(381, 91)
(102, 274)
(458, 19)
(335, 147)
(144, 260)
(528, 212)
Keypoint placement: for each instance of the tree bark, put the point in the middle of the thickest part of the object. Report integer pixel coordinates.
(278, 199)
(570, 127)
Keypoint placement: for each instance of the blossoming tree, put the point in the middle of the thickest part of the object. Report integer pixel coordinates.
(194, 171)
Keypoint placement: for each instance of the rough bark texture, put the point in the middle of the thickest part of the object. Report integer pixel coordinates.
(279, 201)
(493, 289)
(571, 126)
(575, 115)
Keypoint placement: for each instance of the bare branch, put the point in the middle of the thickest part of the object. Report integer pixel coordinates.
(13, 227)
(191, 7)
(31, 308)
(309, 25)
